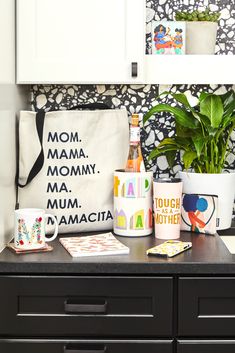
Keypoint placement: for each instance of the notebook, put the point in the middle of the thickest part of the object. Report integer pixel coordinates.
(94, 245)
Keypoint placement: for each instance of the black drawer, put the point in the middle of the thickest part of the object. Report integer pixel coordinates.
(85, 306)
(207, 307)
(214, 346)
(76, 346)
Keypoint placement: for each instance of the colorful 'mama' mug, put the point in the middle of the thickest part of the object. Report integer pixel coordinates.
(30, 228)
(133, 203)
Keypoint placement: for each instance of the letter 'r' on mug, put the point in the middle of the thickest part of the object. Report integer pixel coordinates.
(30, 228)
(167, 195)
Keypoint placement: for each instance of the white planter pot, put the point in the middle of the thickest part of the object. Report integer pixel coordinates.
(222, 185)
(201, 37)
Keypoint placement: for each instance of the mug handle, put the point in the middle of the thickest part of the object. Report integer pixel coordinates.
(47, 215)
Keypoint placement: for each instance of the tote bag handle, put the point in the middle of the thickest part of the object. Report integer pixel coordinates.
(40, 119)
(91, 106)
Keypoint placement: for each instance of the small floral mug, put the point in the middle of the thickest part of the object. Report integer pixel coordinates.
(30, 228)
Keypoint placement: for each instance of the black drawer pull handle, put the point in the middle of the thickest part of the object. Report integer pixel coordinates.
(84, 349)
(134, 69)
(90, 308)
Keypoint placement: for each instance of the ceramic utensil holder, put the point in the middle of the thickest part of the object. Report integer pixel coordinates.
(133, 203)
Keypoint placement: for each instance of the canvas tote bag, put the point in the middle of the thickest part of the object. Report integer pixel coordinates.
(66, 164)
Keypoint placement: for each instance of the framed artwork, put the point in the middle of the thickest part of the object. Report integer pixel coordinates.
(168, 37)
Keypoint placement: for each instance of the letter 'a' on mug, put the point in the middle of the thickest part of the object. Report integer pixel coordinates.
(30, 228)
(167, 197)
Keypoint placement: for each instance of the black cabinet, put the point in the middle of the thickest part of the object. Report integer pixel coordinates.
(197, 346)
(122, 314)
(52, 303)
(74, 306)
(81, 346)
(206, 307)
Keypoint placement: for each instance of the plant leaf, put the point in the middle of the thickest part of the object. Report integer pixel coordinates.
(158, 152)
(199, 142)
(228, 120)
(185, 132)
(203, 96)
(188, 158)
(170, 156)
(212, 107)
(183, 141)
(211, 131)
(165, 93)
(182, 117)
(228, 100)
(167, 141)
(181, 98)
(204, 119)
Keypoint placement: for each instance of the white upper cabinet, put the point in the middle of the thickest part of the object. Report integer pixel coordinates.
(80, 41)
(102, 41)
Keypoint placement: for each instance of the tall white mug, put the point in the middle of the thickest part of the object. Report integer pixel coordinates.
(133, 201)
(30, 228)
(167, 194)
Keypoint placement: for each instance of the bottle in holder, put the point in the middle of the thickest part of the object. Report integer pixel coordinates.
(135, 162)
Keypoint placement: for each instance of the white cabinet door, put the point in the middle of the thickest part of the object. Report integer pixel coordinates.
(80, 41)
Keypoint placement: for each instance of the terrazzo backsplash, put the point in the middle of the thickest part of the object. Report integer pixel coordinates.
(140, 98)
(135, 98)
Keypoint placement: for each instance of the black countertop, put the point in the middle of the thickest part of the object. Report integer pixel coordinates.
(208, 256)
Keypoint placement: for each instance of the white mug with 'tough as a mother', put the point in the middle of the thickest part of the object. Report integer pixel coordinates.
(167, 207)
(30, 228)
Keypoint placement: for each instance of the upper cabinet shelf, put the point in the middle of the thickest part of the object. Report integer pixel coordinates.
(190, 69)
(102, 41)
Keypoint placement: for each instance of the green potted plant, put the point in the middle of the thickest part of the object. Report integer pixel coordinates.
(201, 30)
(202, 137)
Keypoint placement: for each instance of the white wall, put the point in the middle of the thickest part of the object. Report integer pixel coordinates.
(12, 99)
